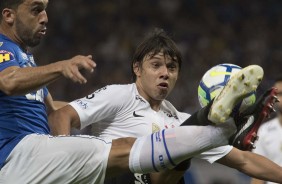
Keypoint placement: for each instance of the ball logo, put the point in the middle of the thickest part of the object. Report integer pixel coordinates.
(214, 73)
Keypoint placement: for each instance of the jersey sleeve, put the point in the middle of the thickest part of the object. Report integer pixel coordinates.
(100, 105)
(215, 154)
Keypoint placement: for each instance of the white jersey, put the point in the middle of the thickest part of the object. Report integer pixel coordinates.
(269, 143)
(120, 111)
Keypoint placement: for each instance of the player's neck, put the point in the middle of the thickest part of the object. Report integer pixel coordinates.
(155, 105)
(9, 33)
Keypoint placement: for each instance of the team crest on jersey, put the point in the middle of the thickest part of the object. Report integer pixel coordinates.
(5, 56)
(1, 43)
(155, 128)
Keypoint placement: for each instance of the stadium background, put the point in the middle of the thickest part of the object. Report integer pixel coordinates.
(207, 33)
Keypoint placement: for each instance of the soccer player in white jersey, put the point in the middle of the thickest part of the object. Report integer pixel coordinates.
(140, 108)
(28, 154)
(269, 143)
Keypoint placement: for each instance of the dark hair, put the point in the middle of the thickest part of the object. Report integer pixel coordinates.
(156, 42)
(13, 4)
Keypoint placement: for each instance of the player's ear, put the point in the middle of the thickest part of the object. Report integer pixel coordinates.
(136, 68)
(8, 15)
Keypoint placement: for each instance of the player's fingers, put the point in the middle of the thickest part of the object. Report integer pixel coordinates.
(78, 77)
(88, 63)
(71, 76)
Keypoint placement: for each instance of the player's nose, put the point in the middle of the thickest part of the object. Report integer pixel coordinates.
(43, 19)
(164, 72)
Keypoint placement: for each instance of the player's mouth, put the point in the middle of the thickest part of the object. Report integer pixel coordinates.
(163, 85)
(42, 32)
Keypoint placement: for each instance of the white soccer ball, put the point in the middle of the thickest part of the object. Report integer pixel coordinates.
(215, 79)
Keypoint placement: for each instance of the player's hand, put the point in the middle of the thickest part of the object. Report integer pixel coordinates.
(71, 68)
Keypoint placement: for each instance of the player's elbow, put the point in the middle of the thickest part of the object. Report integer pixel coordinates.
(8, 87)
(10, 83)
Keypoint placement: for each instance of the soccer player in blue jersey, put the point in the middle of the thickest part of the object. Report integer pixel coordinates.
(28, 154)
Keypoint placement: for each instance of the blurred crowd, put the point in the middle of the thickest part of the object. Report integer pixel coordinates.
(207, 32)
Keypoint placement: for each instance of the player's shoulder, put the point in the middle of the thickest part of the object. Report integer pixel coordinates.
(115, 92)
(9, 50)
(8, 45)
(120, 89)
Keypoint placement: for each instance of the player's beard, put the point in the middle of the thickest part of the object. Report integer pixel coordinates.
(26, 34)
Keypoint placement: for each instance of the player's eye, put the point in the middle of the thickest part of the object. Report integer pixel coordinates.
(156, 65)
(36, 10)
(172, 67)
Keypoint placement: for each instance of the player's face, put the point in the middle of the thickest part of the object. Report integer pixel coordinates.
(156, 77)
(30, 22)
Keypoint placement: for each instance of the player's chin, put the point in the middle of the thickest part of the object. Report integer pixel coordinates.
(34, 42)
(162, 95)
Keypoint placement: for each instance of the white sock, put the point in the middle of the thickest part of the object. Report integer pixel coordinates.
(167, 148)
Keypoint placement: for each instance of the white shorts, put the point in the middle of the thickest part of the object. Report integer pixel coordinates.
(57, 160)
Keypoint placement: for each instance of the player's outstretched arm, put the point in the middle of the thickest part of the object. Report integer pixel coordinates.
(253, 165)
(15, 80)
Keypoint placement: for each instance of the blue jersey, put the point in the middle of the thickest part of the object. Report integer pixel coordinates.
(19, 115)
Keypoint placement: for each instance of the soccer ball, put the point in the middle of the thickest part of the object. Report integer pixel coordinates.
(213, 82)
